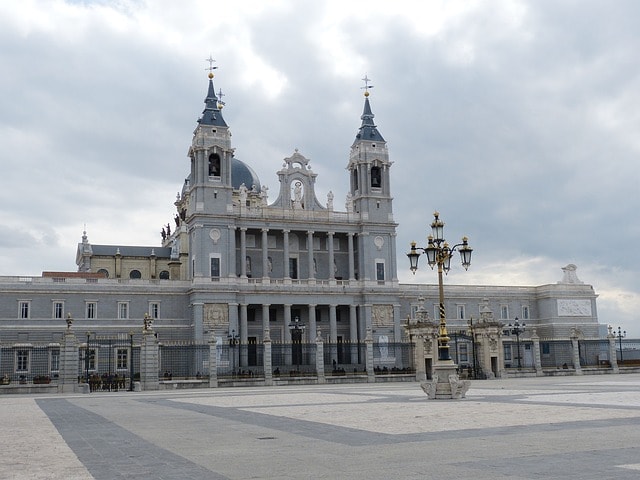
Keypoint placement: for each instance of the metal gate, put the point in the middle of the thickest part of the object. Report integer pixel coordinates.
(109, 363)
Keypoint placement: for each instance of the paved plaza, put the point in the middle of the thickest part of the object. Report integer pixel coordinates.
(553, 427)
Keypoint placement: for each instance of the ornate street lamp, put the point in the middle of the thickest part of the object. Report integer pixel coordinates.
(297, 331)
(473, 345)
(439, 253)
(131, 371)
(621, 334)
(234, 340)
(517, 329)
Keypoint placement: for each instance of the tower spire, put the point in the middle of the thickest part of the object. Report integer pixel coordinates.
(368, 129)
(211, 114)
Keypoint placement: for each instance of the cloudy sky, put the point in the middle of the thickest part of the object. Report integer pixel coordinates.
(518, 120)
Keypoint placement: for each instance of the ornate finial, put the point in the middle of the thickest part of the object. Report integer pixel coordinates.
(220, 102)
(211, 68)
(366, 87)
(69, 321)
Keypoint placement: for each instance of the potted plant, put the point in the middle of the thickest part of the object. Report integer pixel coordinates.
(41, 379)
(5, 379)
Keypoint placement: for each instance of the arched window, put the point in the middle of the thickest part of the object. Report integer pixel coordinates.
(164, 275)
(135, 274)
(376, 177)
(214, 165)
(355, 180)
(104, 272)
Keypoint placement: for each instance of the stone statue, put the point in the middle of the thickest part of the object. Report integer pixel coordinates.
(349, 203)
(330, 200)
(243, 194)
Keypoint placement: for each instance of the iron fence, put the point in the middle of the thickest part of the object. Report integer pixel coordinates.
(184, 360)
(27, 363)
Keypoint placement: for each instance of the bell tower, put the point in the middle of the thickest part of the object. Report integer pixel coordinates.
(370, 192)
(369, 168)
(209, 185)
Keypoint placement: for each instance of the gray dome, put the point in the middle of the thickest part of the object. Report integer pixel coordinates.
(243, 173)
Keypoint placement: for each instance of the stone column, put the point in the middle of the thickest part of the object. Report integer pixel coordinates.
(576, 354)
(371, 377)
(198, 320)
(312, 274)
(265, 253)
(333, 326)
(332, 274)
(394, 260)
(232, 252)
(243, 252)
(213, 361)
(613, 355)
(68, 376)
(320, 358)
(268, 365)
(352, 275)
(312, 322)
(421, 371)
(353, 324)
(149, 376)
(265, 319)
(536, 353)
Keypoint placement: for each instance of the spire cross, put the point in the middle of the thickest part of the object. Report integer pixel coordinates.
(220, 102)
(366, 87)
(211, 68)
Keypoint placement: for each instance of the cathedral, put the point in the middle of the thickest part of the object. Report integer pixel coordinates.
(247, 262)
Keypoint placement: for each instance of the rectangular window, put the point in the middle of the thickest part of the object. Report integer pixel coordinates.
(154, 310)
(123, 310)
(122, 359)
(55, 359)
(91, 310)
(545, 347)
(22, 360)
(293, 268)
(316, 244)
(507, 353)
(58, 309)
(380, 271)
(273, 314)
(215, 267)
(464, 355)
(251, 314)
(336, 244)
(24, 309)
(318, 314)
(525, 312)
(461, 312)
(250, 240)
(504, 312)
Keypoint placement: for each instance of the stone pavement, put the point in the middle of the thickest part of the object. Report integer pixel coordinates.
(583, 428)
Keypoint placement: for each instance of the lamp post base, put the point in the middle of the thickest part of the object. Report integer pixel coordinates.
(446, 384)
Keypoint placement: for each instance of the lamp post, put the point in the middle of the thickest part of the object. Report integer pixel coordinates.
(297, 330)
(131, 372)
(517, 329)
(439, 253)
(473, 345)
(621, 334)
(86, 358)
(234, 339)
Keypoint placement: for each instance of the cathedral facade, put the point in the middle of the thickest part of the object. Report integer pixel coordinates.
(243, 261)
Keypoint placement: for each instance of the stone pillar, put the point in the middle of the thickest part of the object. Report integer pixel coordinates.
(394, 261)
(353, 323)
(320, 358)
(332, 274)
(352, 275)
(198, 321)
(68, 376)
(213, 361)
(333, 326)
(232, 252)
(537, 361)
(371, 377)
(149, 376)
(265, 319)
(576, 353)
(243, 253)
(421, 371)
(265, 253)
(312, 273)
(268, 365)
(312, 322)
(613, 355)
